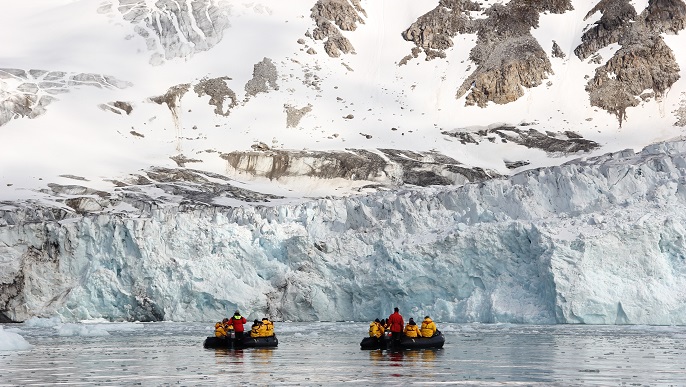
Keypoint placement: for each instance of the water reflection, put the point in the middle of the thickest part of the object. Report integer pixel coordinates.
(262, 355)
(376, 356)
(228, 356)
(329, 354)
(429, 356)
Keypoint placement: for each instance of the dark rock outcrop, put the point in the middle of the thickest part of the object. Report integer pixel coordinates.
(172, 98)
(644, 61)
(564, 143)
(264, 78)
(435, 29)
(388, 167)
(294, 115)
(616, 14)
(508, 57)
(332, 17)
(681, 112)
(218, 92)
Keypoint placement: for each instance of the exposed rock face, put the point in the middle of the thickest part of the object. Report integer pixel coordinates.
(117, 107)
(508, 57)
(264, 78)
(294, 115)
(218, 92)
(668, 16)
(389, 167)
(681, 112)
(648, 64)
(181, 160)
(173, 29)
(644, 62)
(172, 98)
(505, 68)
(435, 29)
(557, 51)
(565, 143)
(28, 93)
(616, 14)
(332, 17)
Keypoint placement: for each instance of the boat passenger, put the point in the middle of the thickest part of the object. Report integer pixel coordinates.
(376, 329)
(237, 322)
(220, 330)
(412, 330)
(267, 327)
(256, 328)
(428, 327)
(228, 328)
(395, 324)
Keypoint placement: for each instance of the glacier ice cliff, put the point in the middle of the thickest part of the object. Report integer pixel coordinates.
(597, 241)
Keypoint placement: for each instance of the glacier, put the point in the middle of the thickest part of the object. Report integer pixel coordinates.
(597, 240)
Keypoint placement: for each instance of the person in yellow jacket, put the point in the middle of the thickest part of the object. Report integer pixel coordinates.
(412, 330)
(267, 328)
(376, 329)
(220, 330)
(428, 327)
(255, 329)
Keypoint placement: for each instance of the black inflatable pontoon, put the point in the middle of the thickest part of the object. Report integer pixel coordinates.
(385, 342)
(246, 342)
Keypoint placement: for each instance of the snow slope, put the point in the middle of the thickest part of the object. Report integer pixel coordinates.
(77, 138)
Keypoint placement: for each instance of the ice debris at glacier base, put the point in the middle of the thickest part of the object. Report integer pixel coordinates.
(11, 341)
(598, 241)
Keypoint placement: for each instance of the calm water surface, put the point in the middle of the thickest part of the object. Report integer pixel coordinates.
(328, 354)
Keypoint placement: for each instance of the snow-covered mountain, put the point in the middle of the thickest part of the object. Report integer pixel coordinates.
(331, 159)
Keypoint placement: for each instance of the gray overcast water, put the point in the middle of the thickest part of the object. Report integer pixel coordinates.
(155, 354)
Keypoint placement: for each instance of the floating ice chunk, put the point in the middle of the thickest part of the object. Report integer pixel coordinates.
(10, 341)
(37, 322)
(95, 321)
(81, 330)
(109, 326)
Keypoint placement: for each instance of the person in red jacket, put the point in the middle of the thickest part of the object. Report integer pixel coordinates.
(395, 323)
(237, 321)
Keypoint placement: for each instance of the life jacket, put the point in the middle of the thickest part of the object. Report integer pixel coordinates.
(412, 331)
(255, 330)
(268, 328)
(219, 330)
(428, 328)
(374, 330)
(262, 331)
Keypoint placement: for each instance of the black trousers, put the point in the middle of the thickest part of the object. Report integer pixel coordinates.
(395, 336)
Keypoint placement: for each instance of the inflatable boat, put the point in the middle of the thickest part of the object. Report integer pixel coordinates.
(245, 342)
(433, 342)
